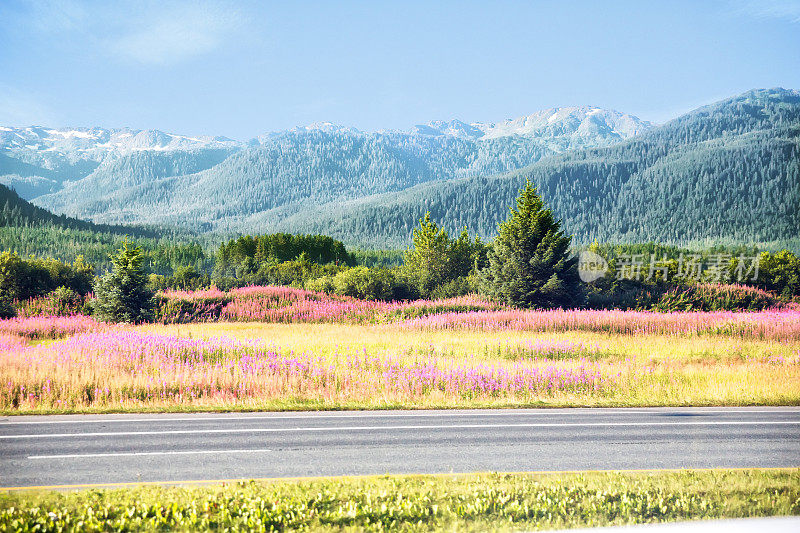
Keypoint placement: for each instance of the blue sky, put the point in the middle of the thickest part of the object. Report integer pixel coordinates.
(243, 68)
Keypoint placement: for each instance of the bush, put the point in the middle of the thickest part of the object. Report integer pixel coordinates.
(324, 284)
(779, 273)
(180, 307)
(32, 277)
(294, 273)
(365, 283)
(7, 309)
(454, 288)
(715, 298)
(611, 293)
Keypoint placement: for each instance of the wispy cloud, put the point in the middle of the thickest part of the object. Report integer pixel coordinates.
(788, 10)
(150, 32)
(167, 35)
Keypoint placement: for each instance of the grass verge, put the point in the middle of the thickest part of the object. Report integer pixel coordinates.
(469, 502)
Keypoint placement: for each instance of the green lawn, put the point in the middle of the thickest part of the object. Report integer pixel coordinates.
(450, 502)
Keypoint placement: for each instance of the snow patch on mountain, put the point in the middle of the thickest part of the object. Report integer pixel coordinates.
(584, 121)
(95, 143)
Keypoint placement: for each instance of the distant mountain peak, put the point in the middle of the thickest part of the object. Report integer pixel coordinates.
(96, 143)
(581, 121)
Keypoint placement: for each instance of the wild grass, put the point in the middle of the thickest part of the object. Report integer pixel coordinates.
(781, 325)
(254, 366)
(474, 502)
(290, 349)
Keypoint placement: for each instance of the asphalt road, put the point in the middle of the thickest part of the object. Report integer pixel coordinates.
(109, 449)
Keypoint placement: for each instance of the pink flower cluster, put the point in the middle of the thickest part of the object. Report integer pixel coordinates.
(128, 366)
(776, 325)
(288, 304)
(204, 294)
(48, 327)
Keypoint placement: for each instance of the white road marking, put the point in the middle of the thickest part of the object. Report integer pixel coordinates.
(133, 454)
(384, 428)
(419, 414)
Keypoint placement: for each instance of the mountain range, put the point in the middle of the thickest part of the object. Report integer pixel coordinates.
(725, 171)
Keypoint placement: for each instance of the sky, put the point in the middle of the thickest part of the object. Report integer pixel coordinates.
(240, 69)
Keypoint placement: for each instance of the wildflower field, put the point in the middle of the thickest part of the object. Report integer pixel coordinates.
(280, 348)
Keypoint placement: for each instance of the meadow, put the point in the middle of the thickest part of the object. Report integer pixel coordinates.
(275, 348)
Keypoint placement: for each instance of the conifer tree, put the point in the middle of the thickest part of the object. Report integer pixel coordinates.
(530, 264)
(427, 263)
(123, 294)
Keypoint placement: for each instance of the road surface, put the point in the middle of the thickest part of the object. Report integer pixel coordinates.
(113, 449)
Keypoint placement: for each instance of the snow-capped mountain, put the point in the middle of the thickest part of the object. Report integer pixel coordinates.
(96, 143)
(585, 121)
(371, 187)
(86, 172)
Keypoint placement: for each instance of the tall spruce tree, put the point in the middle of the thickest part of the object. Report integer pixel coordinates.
(123, 294)
(530, 264)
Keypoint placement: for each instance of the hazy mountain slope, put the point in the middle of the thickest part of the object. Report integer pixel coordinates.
(36, 161)
(576, 123)
(15, 212)
(727, 171)
(287, 171)
(127, 172)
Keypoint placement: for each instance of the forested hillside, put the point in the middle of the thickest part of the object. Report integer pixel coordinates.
(729, 172)
(21, 213)
(294, 170)
(126, 176)
(726, 173)
(29, 230)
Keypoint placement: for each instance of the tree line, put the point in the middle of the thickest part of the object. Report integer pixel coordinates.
(529, 264)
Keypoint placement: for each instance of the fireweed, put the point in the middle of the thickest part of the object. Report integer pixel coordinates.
(744, 358)
(770, 325)
(289, 305)
(133, 368)
(284, 304)
(48, 327)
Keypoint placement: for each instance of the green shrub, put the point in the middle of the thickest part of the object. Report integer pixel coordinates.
(365, 283)
(709, 297)
(324, 284)
(7, 309)
(455, 287)
(171, 309)
(779, 273)
(32, 277)
(611, 293)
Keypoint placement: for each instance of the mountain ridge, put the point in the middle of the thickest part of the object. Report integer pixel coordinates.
(729, 170)
(51, 159)
(739, 155)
